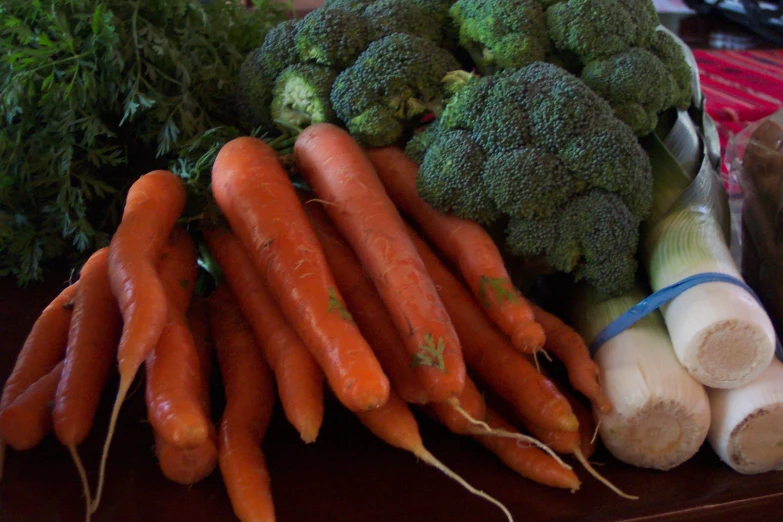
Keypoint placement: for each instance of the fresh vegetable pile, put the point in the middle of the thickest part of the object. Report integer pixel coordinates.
(355, 226)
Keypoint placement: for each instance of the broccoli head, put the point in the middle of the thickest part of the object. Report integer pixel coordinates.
(673, 58)
(591, 30)
(354, 6)
(301, 96)
(399, 79)
(332, 37)
(453, 181)
(501, 34)
(538, 147)
(254, 92)
(636, 83)
(417, 146)
(385, 17)
(278, 49)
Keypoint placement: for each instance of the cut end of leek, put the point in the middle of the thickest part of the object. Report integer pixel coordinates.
(661, 435)
(747, 428)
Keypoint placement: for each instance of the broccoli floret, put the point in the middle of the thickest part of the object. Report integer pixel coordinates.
(332, 37)
(354, 6)
(501, 34)
(538, 147)
(527, 182)
(421, 140)
(278, 50)
(450, 178)
(254, 92)
(397, 77)
(593, 30)
(597, 238)
(386, 17)
(671, 55)
(636, 83)
(301, 96)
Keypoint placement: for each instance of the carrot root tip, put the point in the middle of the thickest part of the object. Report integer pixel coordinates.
(582, 460)
(77, 461)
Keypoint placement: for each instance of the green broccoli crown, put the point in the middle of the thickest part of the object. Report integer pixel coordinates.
(278, 49)
(592, 30)
(637, 85)
(417, 146)
(400, 74)
(301, 96)
(501, 34)
(673, 58)
(537, 146)
(332, 37)
(450, 178)
(354, 6)
(385, 17)
(254, 91)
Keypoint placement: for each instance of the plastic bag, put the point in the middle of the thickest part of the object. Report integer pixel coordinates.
(755, 161)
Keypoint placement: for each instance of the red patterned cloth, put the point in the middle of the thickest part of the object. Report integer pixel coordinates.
(740, 87)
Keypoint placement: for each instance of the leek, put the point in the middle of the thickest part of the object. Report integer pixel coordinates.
(661, 414)
(747, 425)
(718, 330)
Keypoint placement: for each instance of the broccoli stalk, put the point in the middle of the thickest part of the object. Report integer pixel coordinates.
(301, 96)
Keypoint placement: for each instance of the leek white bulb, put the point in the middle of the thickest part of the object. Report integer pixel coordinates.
(747, 425)
(661, 414)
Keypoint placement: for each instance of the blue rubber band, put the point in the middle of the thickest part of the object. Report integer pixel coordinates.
(657, 299)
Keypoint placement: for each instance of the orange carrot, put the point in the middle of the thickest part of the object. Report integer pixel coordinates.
(467, 245)
(340, 174)
(488, 352)
(473, 403)
(254, 192)
(25, 422)
(566, 344)
(154, 203)
(44, 347)
(367, 308)
(188, 466)
(250, 399)
(92, 342)
(395, 424)
(173, 383)
(299, 379)
(528, 461)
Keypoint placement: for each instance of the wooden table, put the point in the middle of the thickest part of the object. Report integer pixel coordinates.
(347, 475)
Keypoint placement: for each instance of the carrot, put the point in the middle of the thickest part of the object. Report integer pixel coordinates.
(528, 461)
(154, 203)
(92, 342)
(395, 424)
(174, 380)
(367, 308)
(467, 245)
(340, 174)
(188, 466)
(489, 353)
(299, 379)
(25, 422)
(254, 192)
(44, 347)
(250, 399)
(566, 344)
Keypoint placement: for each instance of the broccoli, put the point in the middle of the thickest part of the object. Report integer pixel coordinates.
(301, 96)
(385, 17)
(593, 30)
(258, 72)
(537, 147)
(421, 140)
(501, 34)
(673, 58)
(399, 79)
(636, 83)
(332, 37)
(254, 92)
(453, 183)
(354, 6)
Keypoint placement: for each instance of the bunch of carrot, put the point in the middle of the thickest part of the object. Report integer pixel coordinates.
(358, 284)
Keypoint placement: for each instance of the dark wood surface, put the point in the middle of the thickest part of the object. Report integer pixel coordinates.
(347, 475)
